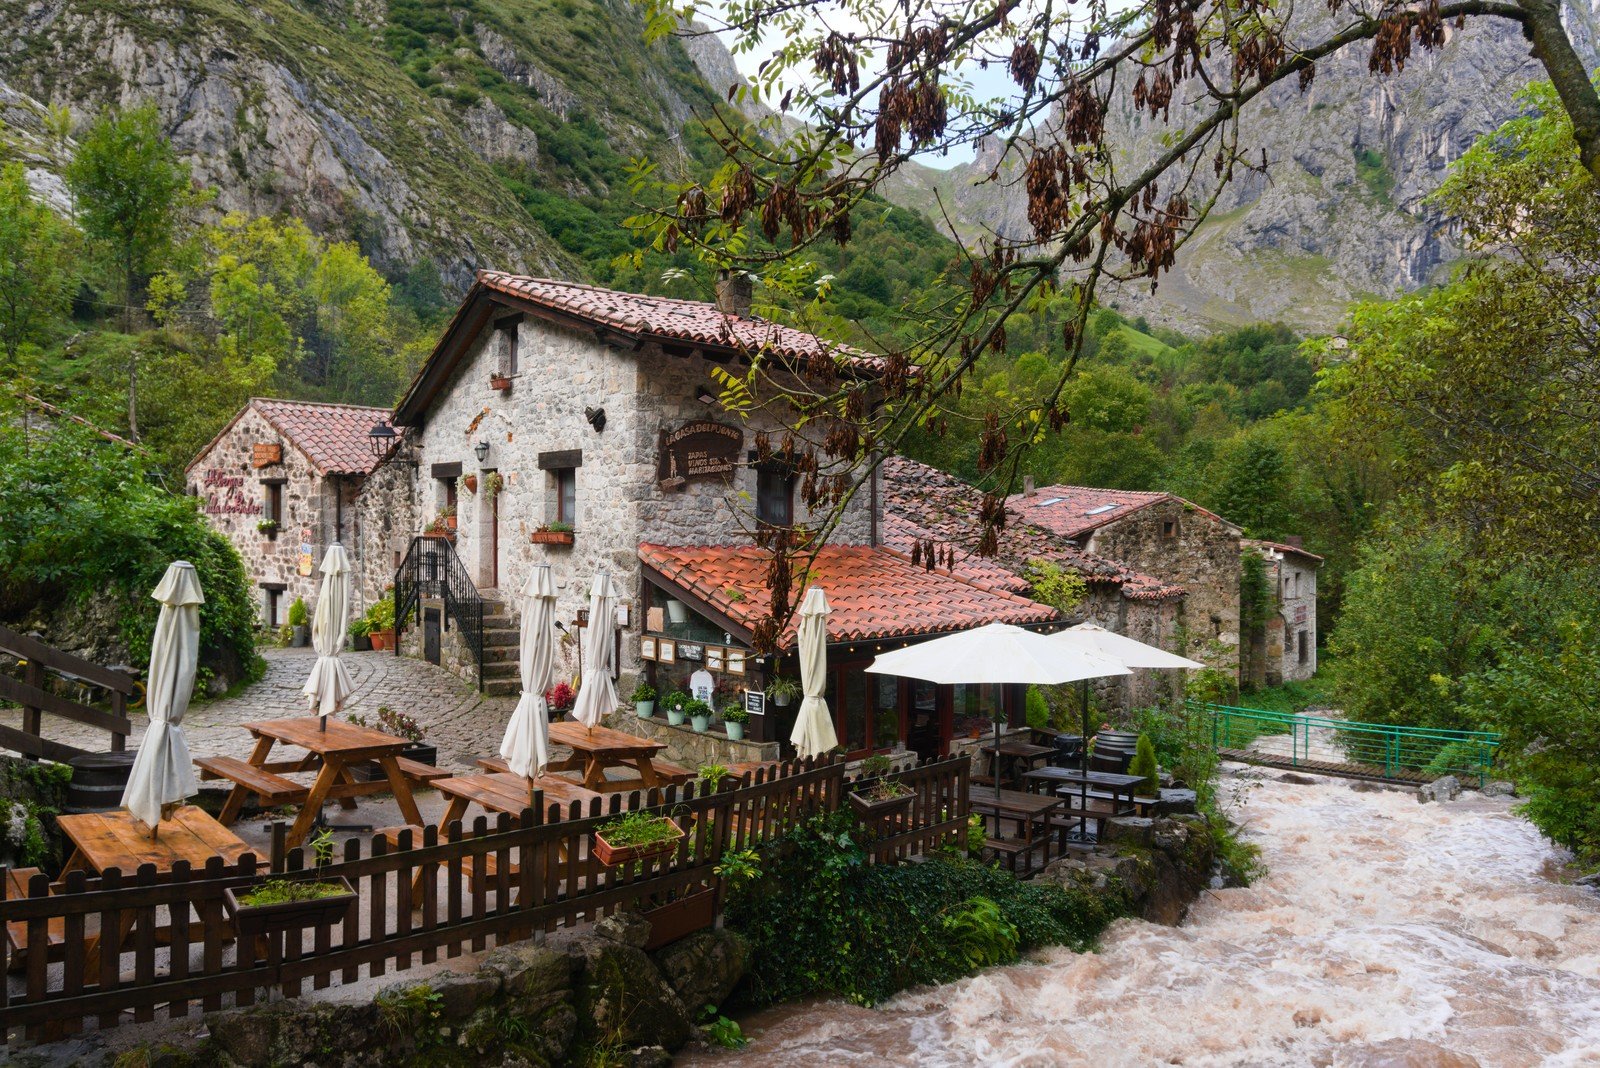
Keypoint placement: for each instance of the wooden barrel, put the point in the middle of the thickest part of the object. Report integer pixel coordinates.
(98, 780)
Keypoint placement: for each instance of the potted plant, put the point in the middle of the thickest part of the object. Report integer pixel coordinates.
(470, 482)
(674, 702)
(398, 725)
(380, 617)
(291, 903)
(783, 690)
(634, 837)
(360, 631)
(699, 714)
(644, 700)
(300, 622)
(556, 533)
(493, 483)
(560, 698)
(500, 382)
(734, 717)
(268, 527)
(878, 796)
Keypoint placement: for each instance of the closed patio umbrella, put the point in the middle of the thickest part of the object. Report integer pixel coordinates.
(330, 683)
(1126, 651)
(813, 732)
(597, 691)
(162, 773)
(998, 654)
(526, 745)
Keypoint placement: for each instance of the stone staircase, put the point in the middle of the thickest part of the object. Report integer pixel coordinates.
(501, 639)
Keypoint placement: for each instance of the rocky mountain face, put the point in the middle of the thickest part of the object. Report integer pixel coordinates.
(1339, 213)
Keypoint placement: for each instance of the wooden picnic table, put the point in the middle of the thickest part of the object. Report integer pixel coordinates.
(593, 751)
(102, 840)
(1031, 812)
(1074, 783)
(332, 751)
(1004, 758)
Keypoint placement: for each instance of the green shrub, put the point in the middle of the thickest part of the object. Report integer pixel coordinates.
(299, 614)
(1038, 709)
(1144, 764)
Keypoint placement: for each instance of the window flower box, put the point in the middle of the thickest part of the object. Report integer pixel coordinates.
(292, 915)
(680, 918)
(635, 837)
(551, 537)
(501, 383)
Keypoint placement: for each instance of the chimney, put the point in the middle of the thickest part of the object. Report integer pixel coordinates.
(734, 290)
(1028, 488)
(1294, 541)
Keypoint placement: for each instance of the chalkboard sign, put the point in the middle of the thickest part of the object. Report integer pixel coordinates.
(755, 702)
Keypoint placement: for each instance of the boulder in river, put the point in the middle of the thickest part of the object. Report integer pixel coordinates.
(1447, 788)
(1498, 788)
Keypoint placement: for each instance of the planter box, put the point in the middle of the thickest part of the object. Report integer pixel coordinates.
(874, 811)
(611, 855)
(421, 752)
(551, 537)
(360, 643)
(288, 915)
(301, 637)
(680, 918)
(500, 382)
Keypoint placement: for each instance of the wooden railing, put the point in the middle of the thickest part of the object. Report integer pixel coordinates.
(480, 884)
(36, 699)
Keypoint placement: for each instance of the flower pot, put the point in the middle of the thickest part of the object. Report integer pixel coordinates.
(450, 522)
(500, 382)
(881, 809)
(701, 724)
(735, 731)
(302, 637)
(680, 919)
(421, 752)
(644, 709)
(382, 639)
(551, 537)
(360, 643)
(675, 717)
(471, 482)
(611, 855)
(288, 915)
(781, 701)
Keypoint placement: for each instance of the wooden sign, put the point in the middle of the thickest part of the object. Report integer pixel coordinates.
(735, 661)
(691, 651)
(265, 454)
(700, 449)
(667, 651)
(647, 648)
(755, 702)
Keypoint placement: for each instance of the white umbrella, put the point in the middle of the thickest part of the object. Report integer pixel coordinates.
(162, 772)
(526, 745)
(1090, 638)
(997, 653)
(813, 732)
(597, 692)
(330, 683)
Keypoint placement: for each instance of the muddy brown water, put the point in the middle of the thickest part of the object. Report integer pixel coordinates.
(1388, 934)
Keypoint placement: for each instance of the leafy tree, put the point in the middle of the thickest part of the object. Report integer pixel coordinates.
(129, 190)
(36, 265)
(1252, 489)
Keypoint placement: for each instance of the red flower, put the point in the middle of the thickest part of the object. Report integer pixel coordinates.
(560, 697)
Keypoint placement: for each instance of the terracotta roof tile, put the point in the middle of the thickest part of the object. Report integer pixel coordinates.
(1281, 547)
(332, 436)
(668, 318)
(1073, 511)
(922, 502)
(874, 592)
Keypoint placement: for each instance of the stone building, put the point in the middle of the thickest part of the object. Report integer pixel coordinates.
(1289, 643)
(282, 481)
(1159, 535)
(577, 427)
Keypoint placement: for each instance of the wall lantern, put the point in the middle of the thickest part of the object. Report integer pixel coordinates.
(596, 418)
(381, 439)
(481, 449)
(704, 395)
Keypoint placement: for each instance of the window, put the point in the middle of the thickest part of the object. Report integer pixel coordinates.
(566, 480)
(508, 332)
(774, 496)
(1305, 648)
(1169, 528)
(272, 507)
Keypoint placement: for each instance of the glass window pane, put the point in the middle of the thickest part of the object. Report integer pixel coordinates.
(885, 691)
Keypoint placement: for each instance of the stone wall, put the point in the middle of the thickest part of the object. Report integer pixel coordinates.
(1157, 623)
(1176, 542)
(689, 747)
(383, 518)
(1294, 581)
(233, 493)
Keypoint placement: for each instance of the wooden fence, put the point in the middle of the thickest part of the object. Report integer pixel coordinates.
(32, 694)
(490, 882)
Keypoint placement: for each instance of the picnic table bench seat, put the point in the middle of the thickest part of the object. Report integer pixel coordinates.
(1009, 848)
(269, 787)
(673, 774)
(417, 771)
(17, 880)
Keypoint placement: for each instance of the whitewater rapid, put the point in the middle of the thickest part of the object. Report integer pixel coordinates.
(1388, 933)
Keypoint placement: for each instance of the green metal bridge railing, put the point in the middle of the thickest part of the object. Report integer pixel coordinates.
(1371, 750)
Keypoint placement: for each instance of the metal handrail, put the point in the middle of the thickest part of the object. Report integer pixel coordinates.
(431, 570)
(1378, 750)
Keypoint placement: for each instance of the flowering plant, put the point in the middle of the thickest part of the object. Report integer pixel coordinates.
(560, 697)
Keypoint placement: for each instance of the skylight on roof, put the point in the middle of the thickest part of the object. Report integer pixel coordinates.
(1102, 510)
(1051, 500)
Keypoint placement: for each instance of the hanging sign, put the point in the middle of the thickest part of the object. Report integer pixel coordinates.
(307, 562)
(755, 702)
(700, 449)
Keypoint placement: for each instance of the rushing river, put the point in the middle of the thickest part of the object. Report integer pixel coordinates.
(1388, 933)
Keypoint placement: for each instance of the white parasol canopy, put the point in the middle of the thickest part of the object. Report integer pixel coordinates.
(526, 745)
(330, 683)
(997, 653)
(813, 732)
(162, 772)
(597, 691)
(1090, 638)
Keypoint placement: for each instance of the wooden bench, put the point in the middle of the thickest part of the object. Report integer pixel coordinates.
(1010, 848)
(17, 880)
(672, 774)
(417, 771)
(270, 788)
